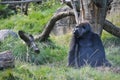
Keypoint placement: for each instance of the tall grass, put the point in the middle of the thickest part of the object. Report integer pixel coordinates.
(112, 48)
(35, 21)
(114, 18)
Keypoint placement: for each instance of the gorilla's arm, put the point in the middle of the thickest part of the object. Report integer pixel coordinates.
(72, 51)
(98, 43)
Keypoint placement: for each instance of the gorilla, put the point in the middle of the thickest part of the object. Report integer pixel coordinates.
(86, 48)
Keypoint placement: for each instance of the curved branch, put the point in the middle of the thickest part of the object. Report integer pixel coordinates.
(45, 34)
(108, 26)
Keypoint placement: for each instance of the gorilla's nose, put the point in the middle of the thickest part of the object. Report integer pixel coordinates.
(76, 31)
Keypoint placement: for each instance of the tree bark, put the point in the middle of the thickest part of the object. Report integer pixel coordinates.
(75, 12)
(108, 26)
(93, 11)
(111, 28)
(6, 60)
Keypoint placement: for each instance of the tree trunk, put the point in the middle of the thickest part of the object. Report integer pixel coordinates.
(108, 26)
(95, 14)
(94, 11)
(6, 60)
(26, 9)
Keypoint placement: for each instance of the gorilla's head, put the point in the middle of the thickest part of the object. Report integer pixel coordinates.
(81, 29)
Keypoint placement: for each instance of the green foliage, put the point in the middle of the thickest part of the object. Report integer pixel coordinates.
(49, 4)
(8, 44)
(5, 11)
(31, 72)
(3, 7)
(26, 23)
(49, 52)
(33, 23)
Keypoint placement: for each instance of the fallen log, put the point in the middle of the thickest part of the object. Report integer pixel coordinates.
(111, 28)
(6, 60)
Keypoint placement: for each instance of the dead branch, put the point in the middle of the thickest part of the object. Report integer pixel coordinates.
(111, 28)
(48, 28)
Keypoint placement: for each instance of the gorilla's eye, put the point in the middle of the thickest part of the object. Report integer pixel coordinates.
(76, 26)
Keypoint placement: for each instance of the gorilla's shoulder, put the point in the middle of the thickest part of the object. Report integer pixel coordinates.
(95, 35)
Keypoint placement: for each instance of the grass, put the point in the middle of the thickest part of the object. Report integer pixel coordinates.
(51, 63)
(114, 18)
(112, 47)
(34, 23)
(25, 71)
(53, 59)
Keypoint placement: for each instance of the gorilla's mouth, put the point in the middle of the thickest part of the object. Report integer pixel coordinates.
(78, 32)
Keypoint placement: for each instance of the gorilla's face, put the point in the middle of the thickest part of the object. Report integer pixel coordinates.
(81, 29)
(78, 31)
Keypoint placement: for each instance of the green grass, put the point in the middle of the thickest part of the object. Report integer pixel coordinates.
(25, 71)
(33, 23)
(114, 18)
(53, 60)
(112, 48)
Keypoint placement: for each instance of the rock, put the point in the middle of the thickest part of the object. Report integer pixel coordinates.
(6, 60)
(5, 33)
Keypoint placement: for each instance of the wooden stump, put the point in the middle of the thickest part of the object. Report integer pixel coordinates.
(6, 60)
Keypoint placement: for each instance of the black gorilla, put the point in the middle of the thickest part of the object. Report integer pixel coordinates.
(86, 48)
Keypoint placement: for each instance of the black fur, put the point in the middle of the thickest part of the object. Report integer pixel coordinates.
(86, 48)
